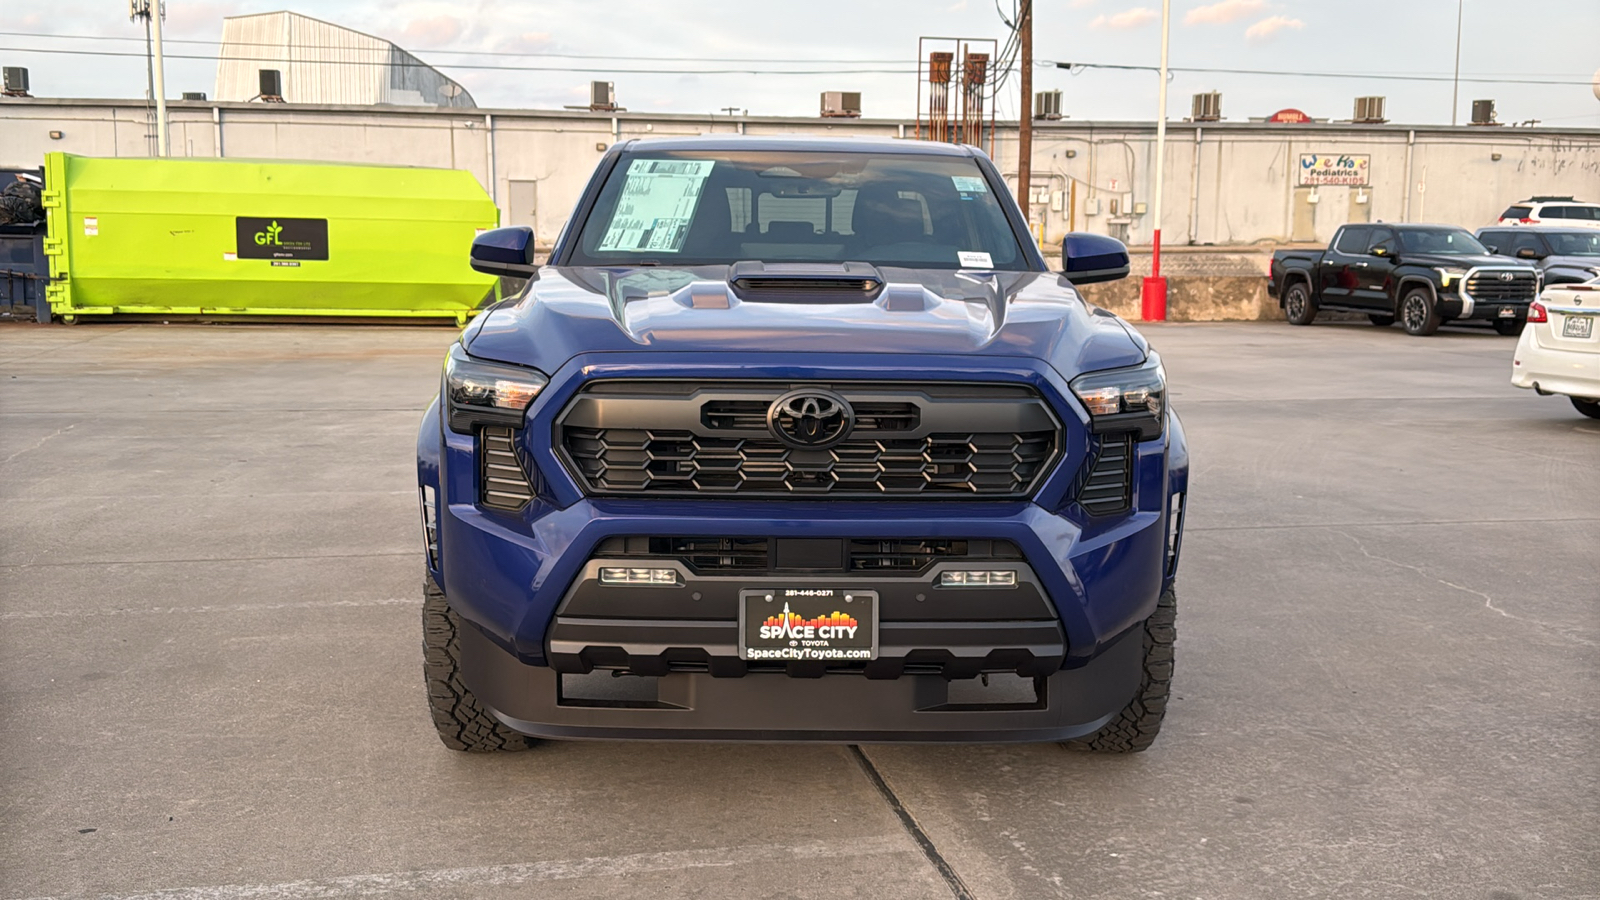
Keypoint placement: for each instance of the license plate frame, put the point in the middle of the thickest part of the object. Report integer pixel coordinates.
(1508, 312)
(825, 611)
(1581, 327)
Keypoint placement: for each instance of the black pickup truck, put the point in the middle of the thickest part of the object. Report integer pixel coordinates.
(1420, 275)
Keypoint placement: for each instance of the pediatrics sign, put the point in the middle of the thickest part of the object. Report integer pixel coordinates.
(1335, 169)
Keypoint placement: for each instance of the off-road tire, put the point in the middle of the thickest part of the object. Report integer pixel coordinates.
(1590, 408)
(1508, 327)
(1135, 728)
(1298, 307)
(1382, 320)
(1419, 314)
(462, 721)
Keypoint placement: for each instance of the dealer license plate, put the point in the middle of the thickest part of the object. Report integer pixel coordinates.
(1508, 312)
(1578, 326)
(801, 624)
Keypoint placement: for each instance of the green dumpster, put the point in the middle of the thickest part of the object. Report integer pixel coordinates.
(220, 238)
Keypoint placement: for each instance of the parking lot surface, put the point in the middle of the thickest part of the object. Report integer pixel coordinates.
(210, 679)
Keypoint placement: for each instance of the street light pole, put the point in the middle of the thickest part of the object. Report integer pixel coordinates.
(1455, 85)
(1155, 287)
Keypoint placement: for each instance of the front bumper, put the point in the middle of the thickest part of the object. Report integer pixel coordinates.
(1096, 578)
(1066, 704)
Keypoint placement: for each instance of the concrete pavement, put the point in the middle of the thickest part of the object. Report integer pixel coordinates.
(210, 676)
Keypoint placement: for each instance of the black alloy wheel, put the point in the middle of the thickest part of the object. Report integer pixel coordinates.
(1298, 306)
(1419, 314)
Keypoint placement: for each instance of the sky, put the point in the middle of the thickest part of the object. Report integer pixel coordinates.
(1544, 40)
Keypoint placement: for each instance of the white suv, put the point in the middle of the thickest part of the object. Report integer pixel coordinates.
(1552, 211)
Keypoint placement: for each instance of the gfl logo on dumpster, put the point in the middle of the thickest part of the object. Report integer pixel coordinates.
(273, 235)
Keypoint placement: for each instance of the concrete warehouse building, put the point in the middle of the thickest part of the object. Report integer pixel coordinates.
(1228, 183)
(320, 62)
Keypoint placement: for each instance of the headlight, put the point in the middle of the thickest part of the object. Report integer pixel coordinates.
(1131, 399)
(484, 393)
(1448, 275)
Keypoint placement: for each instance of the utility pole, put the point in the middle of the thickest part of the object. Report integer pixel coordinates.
(1154, 299)
(151, 12)
(1455, 85)
(161, 81)
(1025, 118)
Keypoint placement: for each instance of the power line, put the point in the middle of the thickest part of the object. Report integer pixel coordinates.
(1075, 67)
(539, 54)
(499, 68)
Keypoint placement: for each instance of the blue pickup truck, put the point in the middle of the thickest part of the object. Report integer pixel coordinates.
(799, 439)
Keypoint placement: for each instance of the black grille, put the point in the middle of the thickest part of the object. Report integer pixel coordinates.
(1489, 287)
(503, 484)
(901, 556)
(666, 462)
(630, 438)
(917, 555)
(1109, 487)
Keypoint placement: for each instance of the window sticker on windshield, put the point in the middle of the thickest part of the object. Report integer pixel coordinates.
(971, 259)
(969, 184)
(656, 205)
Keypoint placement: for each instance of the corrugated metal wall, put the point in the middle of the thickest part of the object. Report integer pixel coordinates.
(324, 63)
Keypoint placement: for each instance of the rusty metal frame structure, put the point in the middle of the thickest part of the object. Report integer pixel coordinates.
(961, 123)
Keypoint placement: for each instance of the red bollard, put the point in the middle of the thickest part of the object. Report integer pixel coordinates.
(1154, 299)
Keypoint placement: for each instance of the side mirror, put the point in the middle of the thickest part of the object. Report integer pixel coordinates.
(1090, 258)
(1529, 253)
(504, 251)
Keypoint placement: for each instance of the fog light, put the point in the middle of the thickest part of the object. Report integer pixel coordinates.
(638, 576)
(977, 578)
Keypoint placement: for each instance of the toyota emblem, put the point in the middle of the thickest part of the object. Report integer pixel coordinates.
(810, 419)
(1507, 276)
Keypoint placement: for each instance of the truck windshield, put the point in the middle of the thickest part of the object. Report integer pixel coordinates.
(1448, 241)
(1574, 244)
(701, 207)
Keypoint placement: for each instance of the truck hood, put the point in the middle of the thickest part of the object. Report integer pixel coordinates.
(1571, 262)
(1458, 261)
(566, 311)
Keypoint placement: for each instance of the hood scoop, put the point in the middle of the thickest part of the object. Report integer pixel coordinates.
(849, 282)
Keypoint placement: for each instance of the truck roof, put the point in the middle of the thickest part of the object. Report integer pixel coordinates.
(807, 143)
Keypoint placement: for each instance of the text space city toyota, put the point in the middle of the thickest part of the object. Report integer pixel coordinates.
(798, 439)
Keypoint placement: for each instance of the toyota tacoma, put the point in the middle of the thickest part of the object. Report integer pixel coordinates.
(799, 439)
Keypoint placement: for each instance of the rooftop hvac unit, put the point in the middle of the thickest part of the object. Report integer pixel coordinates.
(1207, 107)
(1047, 105)
(841, 104)
(194, 95)
(1483, 112)
(16, 81)
(602, 96)
(1369, 111)
(271, 85)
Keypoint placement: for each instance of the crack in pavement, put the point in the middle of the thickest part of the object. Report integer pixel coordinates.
(1488, 601)
(41, 442)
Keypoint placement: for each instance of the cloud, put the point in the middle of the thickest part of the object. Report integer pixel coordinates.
(1270, 26)
(1224, 11)
(957, 6)
(433, 31)
(1132, 18)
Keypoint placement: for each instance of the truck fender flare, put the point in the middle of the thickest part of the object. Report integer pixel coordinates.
(1290, 277)
(1405, 285)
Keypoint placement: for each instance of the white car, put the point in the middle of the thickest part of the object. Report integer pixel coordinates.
(1559, 351)
(1563, 211)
